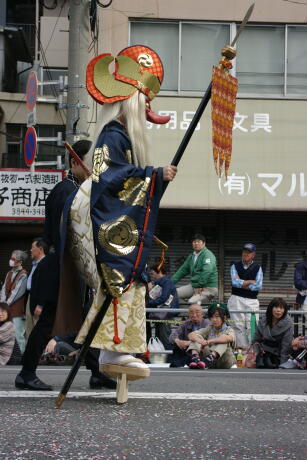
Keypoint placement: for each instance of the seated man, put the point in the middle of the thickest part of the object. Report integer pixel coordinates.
(179, 338)
(200, 266)
(162, 294)
(213, 345)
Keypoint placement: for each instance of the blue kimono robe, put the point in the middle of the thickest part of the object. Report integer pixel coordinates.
(120, 197)
(112, 221)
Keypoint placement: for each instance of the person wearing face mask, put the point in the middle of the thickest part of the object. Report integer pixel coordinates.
(13, 293)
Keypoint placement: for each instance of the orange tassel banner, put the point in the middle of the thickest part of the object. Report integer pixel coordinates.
(223, 106)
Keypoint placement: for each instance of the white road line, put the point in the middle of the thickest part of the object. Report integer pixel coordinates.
(255, 372)
(140, 395)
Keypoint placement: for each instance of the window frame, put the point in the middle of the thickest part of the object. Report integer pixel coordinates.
(233, 27)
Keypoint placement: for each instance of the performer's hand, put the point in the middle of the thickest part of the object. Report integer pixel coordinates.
(169, 172)
(50, 346)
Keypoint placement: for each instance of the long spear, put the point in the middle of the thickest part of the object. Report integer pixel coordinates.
(228, 53)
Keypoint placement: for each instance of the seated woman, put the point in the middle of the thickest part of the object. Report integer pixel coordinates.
(7, 334)
(274, 332)
(212, 345)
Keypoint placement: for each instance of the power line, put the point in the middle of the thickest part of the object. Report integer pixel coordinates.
(293, 1)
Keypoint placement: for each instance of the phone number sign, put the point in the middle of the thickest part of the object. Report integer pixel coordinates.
(23, 193)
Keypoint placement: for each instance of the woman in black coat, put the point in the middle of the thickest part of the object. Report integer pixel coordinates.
(274, 332)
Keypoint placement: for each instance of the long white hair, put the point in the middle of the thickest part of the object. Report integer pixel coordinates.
(130, 112)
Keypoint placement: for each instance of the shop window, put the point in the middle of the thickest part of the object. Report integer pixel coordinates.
(297, 60)
(163, 38)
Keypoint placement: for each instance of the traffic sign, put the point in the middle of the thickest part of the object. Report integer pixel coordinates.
(31, 91)
(29, 148)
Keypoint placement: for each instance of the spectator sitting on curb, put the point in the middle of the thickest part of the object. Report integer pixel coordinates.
(275, 333)
(7, 334)
(179, 337)
(213, 345)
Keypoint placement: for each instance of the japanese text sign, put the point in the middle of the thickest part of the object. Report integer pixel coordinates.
(267, 169)
(23, 193)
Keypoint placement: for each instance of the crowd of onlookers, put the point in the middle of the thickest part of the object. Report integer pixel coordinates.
(203, 343)
(198, 342)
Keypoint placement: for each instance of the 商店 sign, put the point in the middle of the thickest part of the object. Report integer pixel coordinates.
(23, 193)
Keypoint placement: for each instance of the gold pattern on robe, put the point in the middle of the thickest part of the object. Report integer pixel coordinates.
(119, 236)
(134, 191)
(113, 279)
(101, 161)
(129, 156)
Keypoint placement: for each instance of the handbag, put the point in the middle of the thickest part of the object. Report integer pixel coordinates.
(250, 358)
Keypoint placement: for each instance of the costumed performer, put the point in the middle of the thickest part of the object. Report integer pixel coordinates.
(111, 220)
(47, 289)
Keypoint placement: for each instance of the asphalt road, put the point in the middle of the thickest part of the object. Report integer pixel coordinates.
(175, 414)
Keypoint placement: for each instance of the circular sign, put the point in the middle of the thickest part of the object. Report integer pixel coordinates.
(31, 91)
(29, 147)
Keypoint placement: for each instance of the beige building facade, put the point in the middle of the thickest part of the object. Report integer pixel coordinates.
(264, 196)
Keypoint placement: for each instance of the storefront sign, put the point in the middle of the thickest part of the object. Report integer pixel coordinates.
(267, 171)
(23, 193)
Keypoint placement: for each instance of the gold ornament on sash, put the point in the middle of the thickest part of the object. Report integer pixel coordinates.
(223, 106)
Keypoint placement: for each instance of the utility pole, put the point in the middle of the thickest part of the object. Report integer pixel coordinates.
(77, 98)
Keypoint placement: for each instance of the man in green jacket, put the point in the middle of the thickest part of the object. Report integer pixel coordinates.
(201, 267)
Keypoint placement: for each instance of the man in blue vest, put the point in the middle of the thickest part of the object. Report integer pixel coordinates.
(246, 280)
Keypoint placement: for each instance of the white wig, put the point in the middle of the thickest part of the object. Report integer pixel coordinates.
(130, 112)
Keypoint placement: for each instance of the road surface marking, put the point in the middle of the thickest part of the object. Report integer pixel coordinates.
(141, 395)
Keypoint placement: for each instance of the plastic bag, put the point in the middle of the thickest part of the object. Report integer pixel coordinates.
(156, 349)
(251, 356)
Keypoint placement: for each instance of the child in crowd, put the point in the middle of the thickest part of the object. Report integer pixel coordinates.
(274, 332)
(7, 334)
(212, 346)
